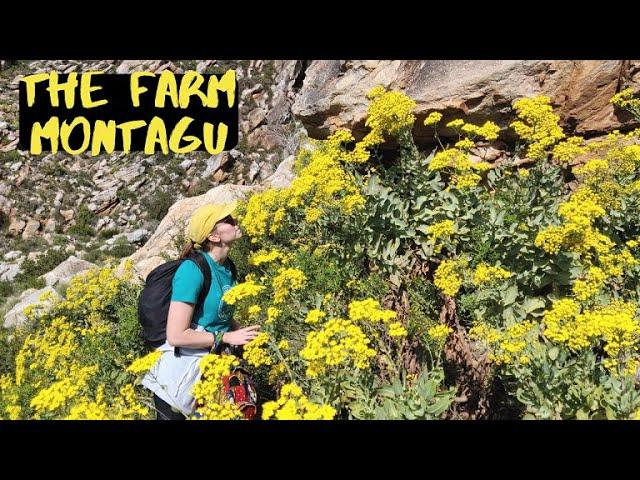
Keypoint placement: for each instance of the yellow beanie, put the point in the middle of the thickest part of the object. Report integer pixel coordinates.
(204, 218)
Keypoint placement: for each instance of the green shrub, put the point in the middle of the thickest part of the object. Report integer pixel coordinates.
(84, 223)
(157, 205)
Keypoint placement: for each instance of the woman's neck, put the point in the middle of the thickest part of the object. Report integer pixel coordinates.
(219, 254)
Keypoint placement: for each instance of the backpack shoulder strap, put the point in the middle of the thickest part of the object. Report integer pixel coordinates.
(234, 270)
(203, 265)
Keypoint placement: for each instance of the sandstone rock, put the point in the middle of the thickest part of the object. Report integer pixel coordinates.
(15, 166)
(33, 256)
(129, 66)
(12, 255)
(15, 317)
(104, 200)
(264, 137)
(220, 176)
(173, 226)
(202, 65)
(186, 164)
(16, 227)
(283, 176)
(50, 226)
(30, 229)
(255, 118)
(66, 270)
(254, 169)
(128, 174)
(8, 271)
(333, 93)
(215, 163)
(10, 146)
(137, 236)
(67, 214)
(105, 223)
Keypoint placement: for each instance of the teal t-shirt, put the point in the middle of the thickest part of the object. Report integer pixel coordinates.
(187, 283)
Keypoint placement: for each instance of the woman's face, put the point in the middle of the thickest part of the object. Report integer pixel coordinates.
(227, 230)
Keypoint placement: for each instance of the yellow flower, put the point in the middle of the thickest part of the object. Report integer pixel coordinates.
(294, 405)
(287, 281)
(241, 291)
(487, 274)
(339, 342)
(314, 316)
(260, 257)
(447, 278)
(537, 125)
(457, 123)
(396, 329)
(439, 331)
(433, 118)
(272, 314)
(144, 363)
(254, 352)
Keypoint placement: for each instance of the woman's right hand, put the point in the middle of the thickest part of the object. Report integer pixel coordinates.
(241, 336)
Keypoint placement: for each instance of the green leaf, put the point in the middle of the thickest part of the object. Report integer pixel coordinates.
(553, 353)
(531, 304)
(509, 295)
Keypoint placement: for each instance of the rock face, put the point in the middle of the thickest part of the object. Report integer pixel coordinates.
(173, 225)
(67, 270)
(283, 176)
(8, 272)
(15, 317)
(30, 229)
(333, 95)
(45, 198)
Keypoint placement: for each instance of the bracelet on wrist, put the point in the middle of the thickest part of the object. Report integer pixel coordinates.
(217, 342)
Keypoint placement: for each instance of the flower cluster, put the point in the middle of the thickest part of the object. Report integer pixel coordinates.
(456, 161)
(145, 363)
(589, 286)
(338, 342)
(369, 310)
(614, 325)
(389, 112)
(506, 345)
(433, 118)
(255, 353)
(261, 257)
(440, 331)
(322, 184)
(288, 280)
(537, 125)
(447, 277)
(486, 274)
(294, 405)
(241, 291)
(440, 230)
(314, 316)
(569, 149)
(625, 99)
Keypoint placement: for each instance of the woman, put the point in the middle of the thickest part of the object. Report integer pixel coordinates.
(212, 232)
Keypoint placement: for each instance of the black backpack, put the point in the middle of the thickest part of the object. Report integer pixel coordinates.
(155, 298)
